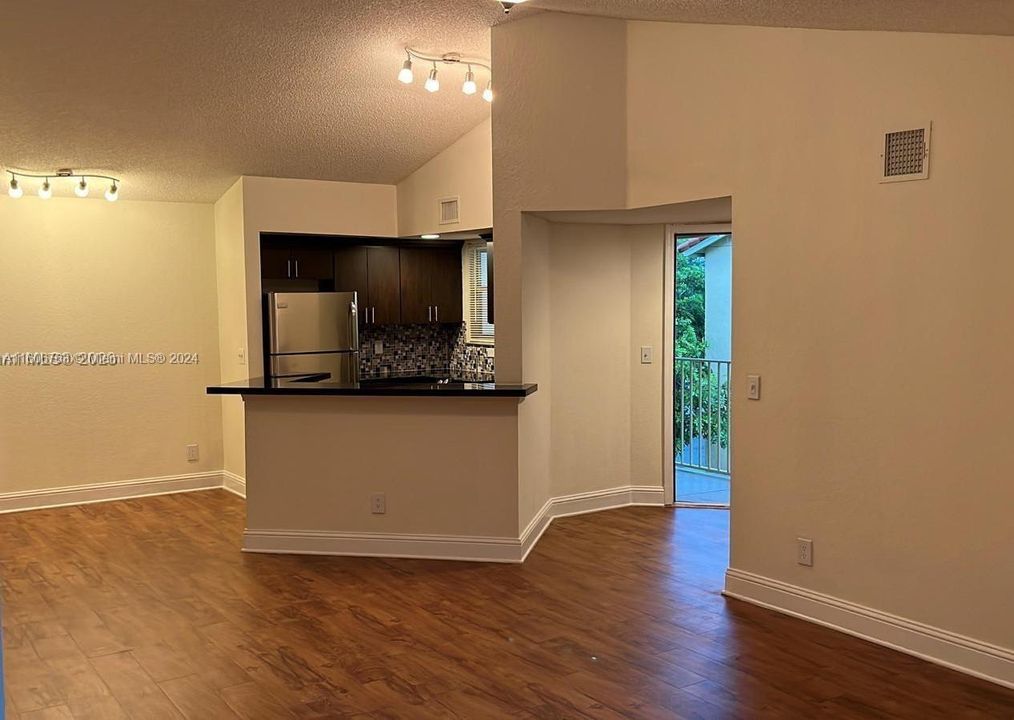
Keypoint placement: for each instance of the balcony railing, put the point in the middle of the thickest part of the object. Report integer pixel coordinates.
(701, 414)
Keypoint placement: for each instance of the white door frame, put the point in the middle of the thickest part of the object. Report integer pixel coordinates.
(668, 321)
(668, 345)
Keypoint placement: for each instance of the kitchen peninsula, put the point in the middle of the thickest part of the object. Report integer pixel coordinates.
(388, 468)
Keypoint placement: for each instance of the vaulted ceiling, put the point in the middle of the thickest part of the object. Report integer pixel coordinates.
(179, 97)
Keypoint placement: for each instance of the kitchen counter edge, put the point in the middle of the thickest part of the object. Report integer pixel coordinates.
(256, 386)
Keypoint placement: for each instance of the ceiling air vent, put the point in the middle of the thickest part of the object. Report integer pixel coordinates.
(905, 155)
(449, 211)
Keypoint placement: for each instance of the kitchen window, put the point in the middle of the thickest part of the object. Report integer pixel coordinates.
(476, 284)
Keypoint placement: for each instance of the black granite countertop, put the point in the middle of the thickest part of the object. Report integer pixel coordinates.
(417, 386)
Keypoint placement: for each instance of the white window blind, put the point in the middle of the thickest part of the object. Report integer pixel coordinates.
(476, 265)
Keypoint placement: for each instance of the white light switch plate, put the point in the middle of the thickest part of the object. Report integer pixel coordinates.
(753, 387)
(647, 354)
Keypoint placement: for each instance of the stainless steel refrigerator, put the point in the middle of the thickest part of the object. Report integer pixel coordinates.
(313, 334)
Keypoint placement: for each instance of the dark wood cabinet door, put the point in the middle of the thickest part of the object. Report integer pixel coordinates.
(384, 281)
(351, 275)
(276, 263)
(445, 284)
(312, 264)
(416, 302)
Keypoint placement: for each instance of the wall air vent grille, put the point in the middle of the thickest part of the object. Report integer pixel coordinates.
(905, 155)
(449, 211)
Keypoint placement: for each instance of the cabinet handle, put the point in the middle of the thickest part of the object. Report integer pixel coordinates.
(429, 313)
(436, 312)
(288, 268)
(297, 268)
(374, 313)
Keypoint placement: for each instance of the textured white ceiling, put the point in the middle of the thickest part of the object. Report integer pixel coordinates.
(980, 17)
(179, 97)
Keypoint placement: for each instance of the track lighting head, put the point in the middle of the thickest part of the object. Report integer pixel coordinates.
(45, 190)
(469, 87)
(509, 4)
(432, 84)
(15, 190)
(81, 189)
(406, 75)
(113, 193)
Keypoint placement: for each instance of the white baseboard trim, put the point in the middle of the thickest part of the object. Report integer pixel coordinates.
(234, 483)
(958, 652)
(456, 547)
(106, 492)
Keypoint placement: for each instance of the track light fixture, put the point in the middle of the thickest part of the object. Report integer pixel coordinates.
(81, 188)
(432, 84)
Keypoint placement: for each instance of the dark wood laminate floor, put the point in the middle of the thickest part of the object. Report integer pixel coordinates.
(145, 609)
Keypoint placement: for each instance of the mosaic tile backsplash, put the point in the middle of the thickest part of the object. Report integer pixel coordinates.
(422, 350)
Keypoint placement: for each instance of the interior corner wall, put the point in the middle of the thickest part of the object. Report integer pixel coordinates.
(233, 344)
(559, 142)
(881, 335)
(647, 326)
(463, 171)
(88, 276)
(534, 412)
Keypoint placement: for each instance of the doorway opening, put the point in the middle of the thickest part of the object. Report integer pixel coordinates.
(702, 368)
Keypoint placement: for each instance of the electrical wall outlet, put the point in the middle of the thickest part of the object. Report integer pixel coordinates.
(193, 453)
(378, 504)
(378, 347)
(241, 355)
(804, 551)
(753, 387)
(647, 354)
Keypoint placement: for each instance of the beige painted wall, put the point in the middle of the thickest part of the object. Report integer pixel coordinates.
(880, 342)
(559, 142)
(448, 466)
(464, 170)
(91, 276)
(230, 264)
(590, 297)
(306, 206)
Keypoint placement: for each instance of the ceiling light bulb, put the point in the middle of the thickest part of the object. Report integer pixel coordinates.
(469, 87)
(113, 193)
(406, 76)
(45, 190)
(81, 189)
(15, 190)
(508, 4)
(487, 94)
(432, 84)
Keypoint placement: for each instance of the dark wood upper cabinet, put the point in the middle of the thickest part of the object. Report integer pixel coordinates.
(445, 284)
(351, 275)
(384, 279)
(276, 263)
(431, 285)
(395, 284)
(312, 264)
(416, 305)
